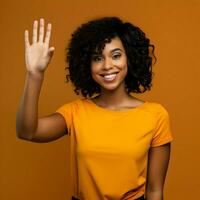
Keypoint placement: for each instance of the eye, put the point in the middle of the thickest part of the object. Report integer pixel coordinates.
(116, 56)
(97, 58)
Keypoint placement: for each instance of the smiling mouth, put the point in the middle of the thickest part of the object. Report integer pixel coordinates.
(109, 74)
(109, 77)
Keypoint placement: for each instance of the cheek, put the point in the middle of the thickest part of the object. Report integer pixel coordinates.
(94, 68)
(94, 72)
(124, 71)
(123, 66)
(122, 63)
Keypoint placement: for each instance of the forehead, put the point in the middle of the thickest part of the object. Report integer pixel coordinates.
(115, 43)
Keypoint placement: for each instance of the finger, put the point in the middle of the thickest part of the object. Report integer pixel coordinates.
(27, 44)
(35, 27)
(41, 32)
(48, 34)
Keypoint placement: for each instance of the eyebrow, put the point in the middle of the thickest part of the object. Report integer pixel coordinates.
(113, 50)
(116, 49)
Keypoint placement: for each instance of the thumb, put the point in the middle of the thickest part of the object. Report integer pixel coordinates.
(51, 51)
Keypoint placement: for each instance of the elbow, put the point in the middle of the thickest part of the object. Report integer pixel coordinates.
(23, 133)
(23, 137)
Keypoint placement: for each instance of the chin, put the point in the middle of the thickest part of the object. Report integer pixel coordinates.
(110, 86)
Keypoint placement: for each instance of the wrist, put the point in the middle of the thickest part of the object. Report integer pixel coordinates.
(35, 74)
(154, 195)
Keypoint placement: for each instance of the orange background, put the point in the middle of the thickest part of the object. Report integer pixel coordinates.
(40, 171)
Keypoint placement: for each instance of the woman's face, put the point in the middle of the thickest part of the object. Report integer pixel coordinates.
(113, 61)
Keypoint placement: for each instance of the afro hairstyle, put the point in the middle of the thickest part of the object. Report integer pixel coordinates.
(91, 38)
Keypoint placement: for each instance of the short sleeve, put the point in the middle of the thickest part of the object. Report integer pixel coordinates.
(66, 111)
(162, 132)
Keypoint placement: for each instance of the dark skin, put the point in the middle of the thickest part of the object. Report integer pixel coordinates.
(158, 160)
(113, 96)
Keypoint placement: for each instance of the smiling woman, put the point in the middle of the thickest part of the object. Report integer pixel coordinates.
(95, 44)
(120, 145)
(110, 69)
(122, 142)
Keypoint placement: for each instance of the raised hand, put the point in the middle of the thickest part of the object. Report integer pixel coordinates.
(38, 54)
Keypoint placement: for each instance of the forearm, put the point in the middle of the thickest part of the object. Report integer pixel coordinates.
(27, 115)
(154, 195)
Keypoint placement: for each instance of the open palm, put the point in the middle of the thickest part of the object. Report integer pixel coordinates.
(38, 54)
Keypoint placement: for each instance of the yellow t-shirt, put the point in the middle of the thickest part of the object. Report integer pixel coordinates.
(108, 149)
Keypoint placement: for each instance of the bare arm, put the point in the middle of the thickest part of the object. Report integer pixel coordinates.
(38, 56)
(158, 160)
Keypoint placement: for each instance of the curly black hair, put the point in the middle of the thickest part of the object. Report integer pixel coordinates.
(91, 38)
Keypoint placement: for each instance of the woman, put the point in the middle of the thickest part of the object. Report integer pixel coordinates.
(120, 145)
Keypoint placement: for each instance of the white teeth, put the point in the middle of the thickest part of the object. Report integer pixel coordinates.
(110, 77)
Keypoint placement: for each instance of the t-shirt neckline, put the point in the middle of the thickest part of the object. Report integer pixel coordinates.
(116, 111)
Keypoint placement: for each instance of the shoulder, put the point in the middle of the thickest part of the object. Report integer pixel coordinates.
(70, 105)
(156, 109)
(76, 104)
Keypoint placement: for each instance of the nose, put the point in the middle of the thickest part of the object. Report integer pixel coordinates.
(107, 64)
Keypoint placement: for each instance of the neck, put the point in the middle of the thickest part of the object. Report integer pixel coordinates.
(113, 98)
